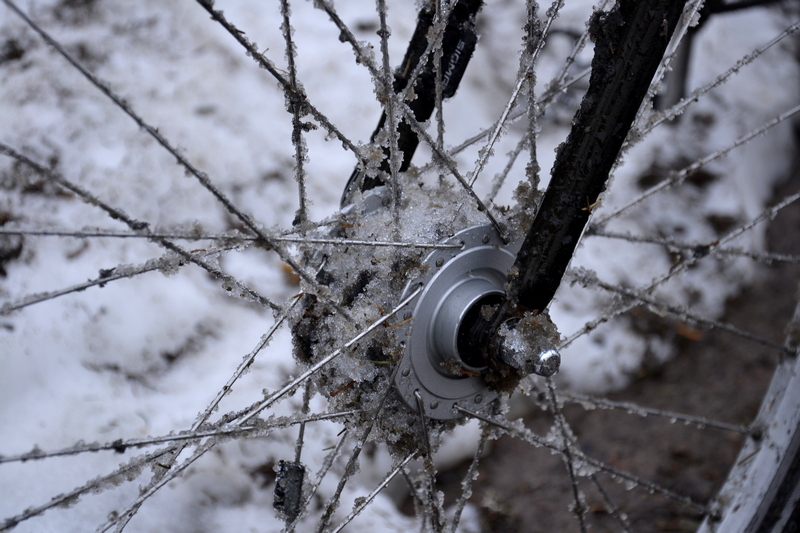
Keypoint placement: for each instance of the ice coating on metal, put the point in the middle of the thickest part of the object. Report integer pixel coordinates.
(455, 280)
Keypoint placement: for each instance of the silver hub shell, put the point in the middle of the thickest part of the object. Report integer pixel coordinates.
(456, 280)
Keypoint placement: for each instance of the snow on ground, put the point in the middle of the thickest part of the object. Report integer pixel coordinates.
(143, 356)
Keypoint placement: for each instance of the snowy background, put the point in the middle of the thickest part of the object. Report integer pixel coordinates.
(143, 356)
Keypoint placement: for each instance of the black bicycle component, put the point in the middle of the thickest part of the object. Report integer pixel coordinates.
(630, 41)
(289, 489)
(458, 43)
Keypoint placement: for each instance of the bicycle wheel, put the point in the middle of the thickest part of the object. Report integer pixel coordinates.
(135, 353)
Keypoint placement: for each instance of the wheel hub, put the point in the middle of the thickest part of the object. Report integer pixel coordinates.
(439, 364)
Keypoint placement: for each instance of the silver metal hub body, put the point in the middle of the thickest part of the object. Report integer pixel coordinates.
(455, 283)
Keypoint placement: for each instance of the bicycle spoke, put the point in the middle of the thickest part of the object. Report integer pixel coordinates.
(526, 78)
(96, 485)
(678, 109)
(122, 519)
(680, 267)
(526, 435)
(229, 282)
(690, 12)
(371, 496)
(265, 63)
(613, 510)
(230, 241)
(590, 402)
(579, 509)
(698, 249)
(258, 429)
(429, 469)
(469, 479)
(590, 280)
(680, 176)
(295, 108)
(391, 118)
(107, 275)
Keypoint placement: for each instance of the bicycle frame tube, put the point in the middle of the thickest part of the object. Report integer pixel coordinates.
(458, 44)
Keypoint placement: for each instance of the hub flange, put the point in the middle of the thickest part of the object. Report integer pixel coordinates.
(438, 363)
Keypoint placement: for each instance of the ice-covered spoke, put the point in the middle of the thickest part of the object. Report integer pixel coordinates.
(280, 393)
(526, 79)
(678, 177)
(230, 240)
(612, 508)
(526, 435)
(469, 479)
(698, 249)
(298, 449)
(649, 486)
(679, 312)
(677, 109)
(391, 118)
(516, 430)
(558, 83)
(429, 468)
(296, 109)
(569, 447)
(229, 282)
(108, 275)
(683, 264)
(201, 176)
(266, 64)
(98, 484)
(439, 24)
(87, 233)
(247, 361)
(362, 503)
(360, 242)
(500, 179)
(258, 429)
(121, 519)
(640, 410)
